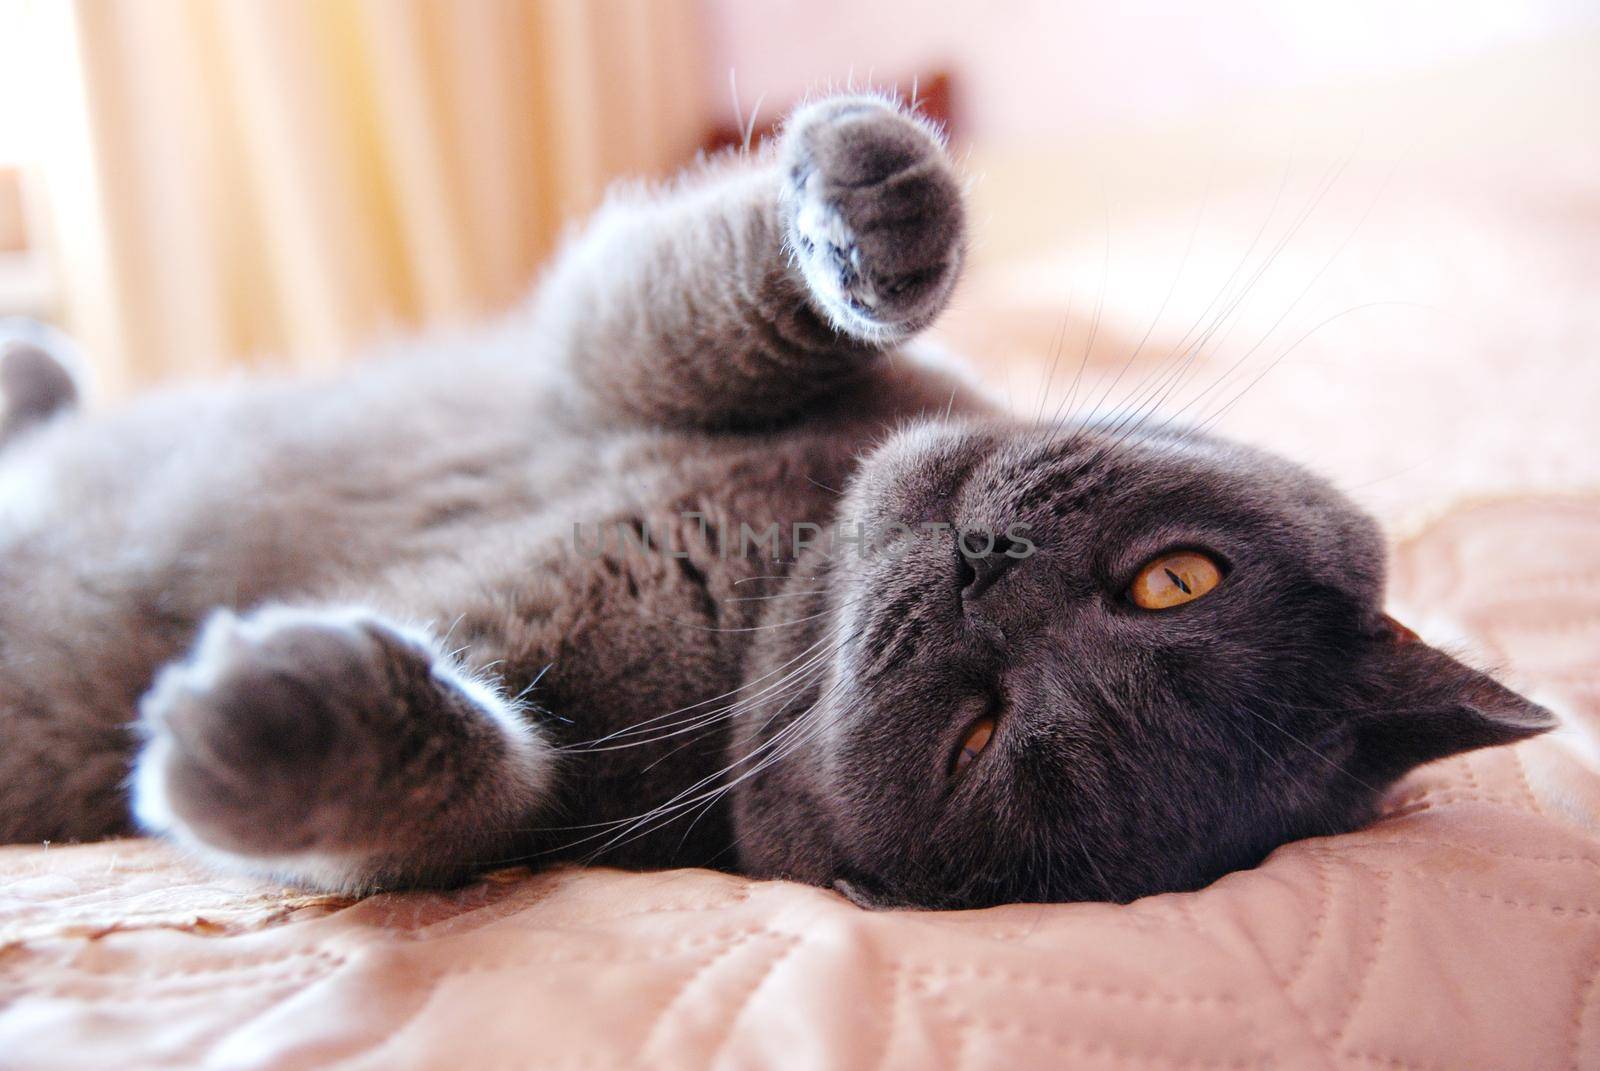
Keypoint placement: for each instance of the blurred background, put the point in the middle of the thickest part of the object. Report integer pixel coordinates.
(1366, 233)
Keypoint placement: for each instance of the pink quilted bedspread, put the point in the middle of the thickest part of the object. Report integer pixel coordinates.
(1463, 929)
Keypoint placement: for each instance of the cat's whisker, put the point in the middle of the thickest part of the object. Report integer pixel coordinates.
(644, 725)
(700, 721)
(641, 825)
(1159, 384)
(456, 621)
(771, 598)
(1231, 300)
(772, 576)
(673, 808)
(1173, 370)
(528, 689)
(1311, 284)
(805, 657)
(1057, 348)
(1172, 288)
(818, 483)
(1099, 305)
(1336, 766)
(1207, 422)
(836, 639)
(750, 129)
(765, 627)
(1237, 366)
(733, 92)
(1168, 382)
(798, 682)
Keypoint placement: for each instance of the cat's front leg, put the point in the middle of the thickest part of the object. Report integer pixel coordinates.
(335, 749)
(749, 292)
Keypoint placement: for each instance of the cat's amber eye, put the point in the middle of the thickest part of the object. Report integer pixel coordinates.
(977, 739)
(1174, 579)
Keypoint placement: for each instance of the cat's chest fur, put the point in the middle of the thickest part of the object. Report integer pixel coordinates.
(632, 588)
(632, 595)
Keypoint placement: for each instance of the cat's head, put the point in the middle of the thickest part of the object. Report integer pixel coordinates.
(1189, 667)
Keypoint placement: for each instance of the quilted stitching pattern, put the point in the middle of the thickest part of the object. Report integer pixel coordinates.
(1463, 929)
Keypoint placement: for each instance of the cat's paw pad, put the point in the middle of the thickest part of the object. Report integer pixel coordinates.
(874, 214)
(273, 739)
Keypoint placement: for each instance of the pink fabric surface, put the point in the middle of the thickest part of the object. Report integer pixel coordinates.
(1462, 929)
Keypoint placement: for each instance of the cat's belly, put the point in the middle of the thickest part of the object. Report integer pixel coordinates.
(438, 499)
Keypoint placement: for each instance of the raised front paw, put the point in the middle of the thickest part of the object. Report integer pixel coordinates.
(874, 214)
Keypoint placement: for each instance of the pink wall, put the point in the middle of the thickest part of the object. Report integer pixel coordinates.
(1029, 68)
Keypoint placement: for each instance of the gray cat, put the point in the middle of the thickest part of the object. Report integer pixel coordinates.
(498, 599)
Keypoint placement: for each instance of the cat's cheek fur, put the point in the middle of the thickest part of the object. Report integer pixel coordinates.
(333, 748)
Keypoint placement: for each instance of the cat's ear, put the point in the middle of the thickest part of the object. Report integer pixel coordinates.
(1431, 706)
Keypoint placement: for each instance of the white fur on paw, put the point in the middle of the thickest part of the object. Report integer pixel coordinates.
(152, 810)
(830, 261)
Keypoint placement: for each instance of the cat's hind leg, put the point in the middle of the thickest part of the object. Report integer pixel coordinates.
(336, 749)
(39, 376)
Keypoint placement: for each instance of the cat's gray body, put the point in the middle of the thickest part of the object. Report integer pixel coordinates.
(726, 349)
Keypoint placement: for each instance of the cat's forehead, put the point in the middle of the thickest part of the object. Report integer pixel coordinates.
(1138, 482)
(1111, 466)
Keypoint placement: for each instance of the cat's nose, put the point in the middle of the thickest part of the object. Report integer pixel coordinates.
(978, 572)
